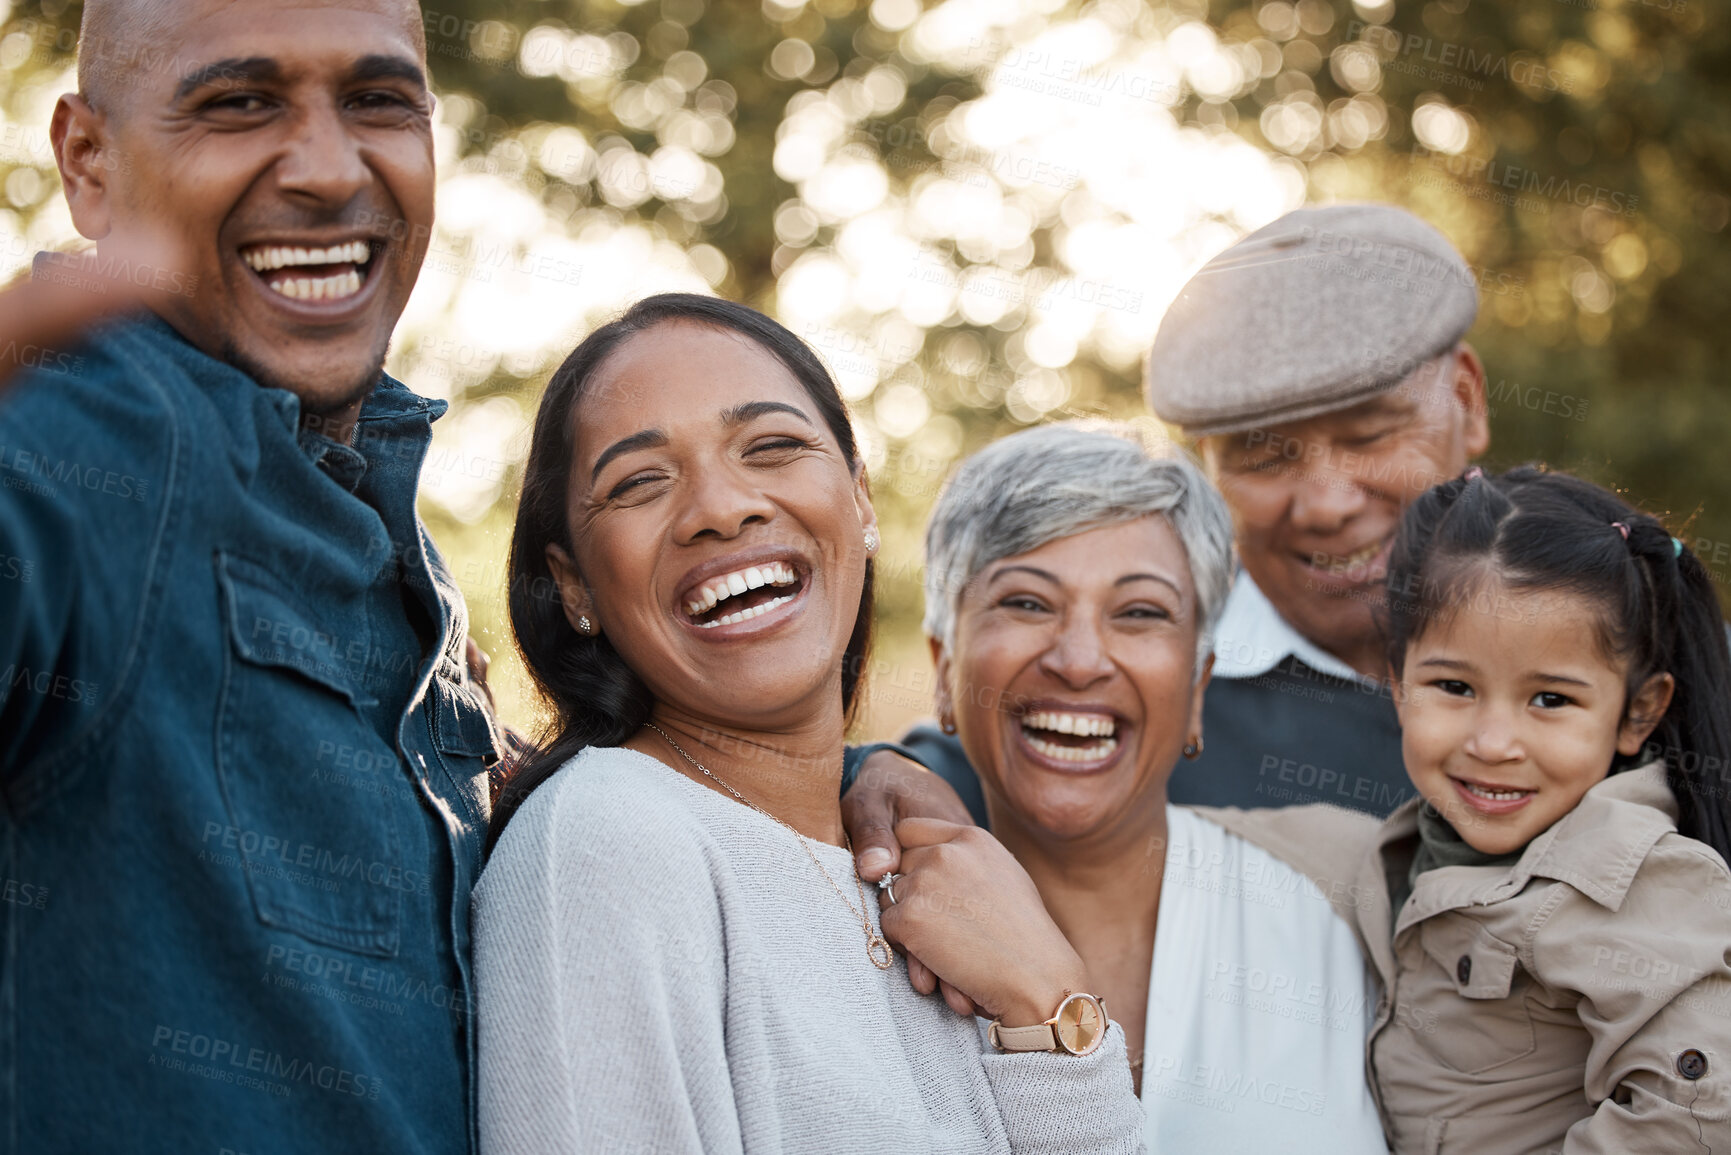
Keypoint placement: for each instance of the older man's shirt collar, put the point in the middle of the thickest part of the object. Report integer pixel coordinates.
(1252, 638)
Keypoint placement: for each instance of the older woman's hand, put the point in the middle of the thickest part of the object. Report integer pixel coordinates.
(888, 790)
(968, 910)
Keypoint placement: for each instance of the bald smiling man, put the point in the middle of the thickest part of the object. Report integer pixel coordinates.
(245, 766)
(245, 763)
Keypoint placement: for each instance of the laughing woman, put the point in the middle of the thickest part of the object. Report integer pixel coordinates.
(673, 951)
(1074, 576)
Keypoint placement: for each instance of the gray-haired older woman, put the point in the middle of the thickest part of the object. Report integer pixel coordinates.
(1073, 579)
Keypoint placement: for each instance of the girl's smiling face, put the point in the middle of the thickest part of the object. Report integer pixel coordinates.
(1511, 711)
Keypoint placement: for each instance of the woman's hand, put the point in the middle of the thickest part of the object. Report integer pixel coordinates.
(889, 789)
(968, 910)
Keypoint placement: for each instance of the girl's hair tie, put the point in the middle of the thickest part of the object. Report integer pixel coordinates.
(1473, 473)
(1622, 529)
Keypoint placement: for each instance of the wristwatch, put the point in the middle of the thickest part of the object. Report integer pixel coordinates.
(1076, 1029)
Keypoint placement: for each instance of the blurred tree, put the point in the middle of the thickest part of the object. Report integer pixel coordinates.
(977, 210)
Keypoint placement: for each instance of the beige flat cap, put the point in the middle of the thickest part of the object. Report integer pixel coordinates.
(1316, 312)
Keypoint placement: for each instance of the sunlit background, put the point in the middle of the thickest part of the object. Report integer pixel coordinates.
(978, 210)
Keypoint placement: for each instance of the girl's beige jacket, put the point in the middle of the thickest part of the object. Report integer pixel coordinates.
(1578, 1001)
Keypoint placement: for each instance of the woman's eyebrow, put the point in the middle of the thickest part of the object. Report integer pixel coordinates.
(1151, 577)
(648, 439)
(1035, 570)
(654, 438)
(752, 410)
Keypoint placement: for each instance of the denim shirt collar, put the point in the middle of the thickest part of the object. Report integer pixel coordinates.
(340, 463)
(390, 406)
(385, 407)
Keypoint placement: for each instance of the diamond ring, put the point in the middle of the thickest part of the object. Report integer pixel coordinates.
(887, 884)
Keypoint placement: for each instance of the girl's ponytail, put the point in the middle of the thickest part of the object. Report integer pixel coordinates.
(1694, 736)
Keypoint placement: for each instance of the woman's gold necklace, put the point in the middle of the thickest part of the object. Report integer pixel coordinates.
(876, 948)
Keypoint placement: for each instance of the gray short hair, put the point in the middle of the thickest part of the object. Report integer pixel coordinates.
(1042, 484)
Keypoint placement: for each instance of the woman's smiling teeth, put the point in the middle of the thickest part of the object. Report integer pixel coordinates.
(275, 264)
(1101, 728)
(718, 590)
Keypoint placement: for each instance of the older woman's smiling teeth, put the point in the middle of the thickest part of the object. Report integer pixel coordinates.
(717, 590)
(1036, 725)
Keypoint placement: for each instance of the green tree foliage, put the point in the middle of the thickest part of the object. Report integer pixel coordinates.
(977, 210)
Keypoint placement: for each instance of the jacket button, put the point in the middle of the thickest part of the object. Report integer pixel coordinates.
(1691, 1064)
(1464, 970)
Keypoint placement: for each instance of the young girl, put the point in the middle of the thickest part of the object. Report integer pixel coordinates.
(1551, 919)
(1554, 951)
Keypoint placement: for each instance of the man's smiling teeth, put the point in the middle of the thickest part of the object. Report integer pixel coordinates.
(1356, 557)
(751, 578)
(265, 258)
(1488, 794)
(318, 288)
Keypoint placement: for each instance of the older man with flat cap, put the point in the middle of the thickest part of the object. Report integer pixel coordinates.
(1320, 365)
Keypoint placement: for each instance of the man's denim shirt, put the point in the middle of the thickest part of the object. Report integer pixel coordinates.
(245, 770)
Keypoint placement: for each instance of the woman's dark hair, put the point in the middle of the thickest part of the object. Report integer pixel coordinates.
(1530, 530)
(594, 697)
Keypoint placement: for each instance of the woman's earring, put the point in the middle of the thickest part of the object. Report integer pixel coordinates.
(947, 725)
(583, 624)
(871, 542)
(1193, 750)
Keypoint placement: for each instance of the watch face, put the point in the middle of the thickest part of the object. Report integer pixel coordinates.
(1081, 1024)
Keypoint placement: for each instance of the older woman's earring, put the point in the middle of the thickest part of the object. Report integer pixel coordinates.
(871, 542)
(583, 624)
(1193, 749)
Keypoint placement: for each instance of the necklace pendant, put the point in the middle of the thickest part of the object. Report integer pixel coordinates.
(879, 952)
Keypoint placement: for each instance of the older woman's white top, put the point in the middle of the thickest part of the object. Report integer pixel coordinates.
(661, 970)
(1259, 1005)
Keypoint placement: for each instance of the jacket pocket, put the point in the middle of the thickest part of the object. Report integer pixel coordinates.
(320, 859)
(1530, 1132)
(463, 737)
(460, 725)
(1491, 1025)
